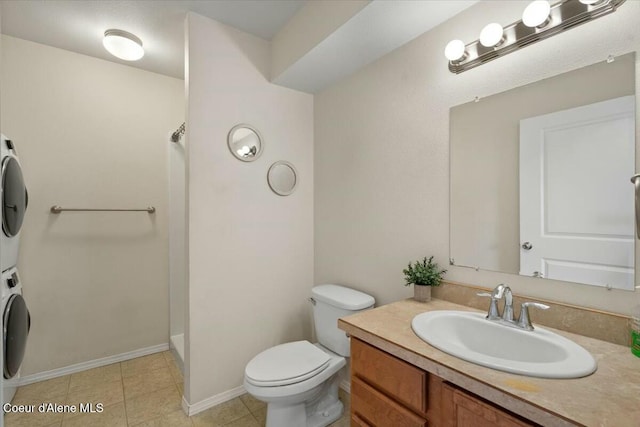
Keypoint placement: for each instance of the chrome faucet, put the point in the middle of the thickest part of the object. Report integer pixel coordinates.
(495, 295)
(503, 291)
(507, 313)
(524, 321)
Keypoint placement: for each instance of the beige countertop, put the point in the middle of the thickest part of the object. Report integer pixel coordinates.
(609, 397)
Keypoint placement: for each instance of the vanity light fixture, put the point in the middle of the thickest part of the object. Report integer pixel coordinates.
(537, 14)
(492, 35)
(455, 51)
(540, 20)
(123, 45)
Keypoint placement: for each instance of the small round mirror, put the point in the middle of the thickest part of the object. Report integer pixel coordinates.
(245, 142)
(282, 178)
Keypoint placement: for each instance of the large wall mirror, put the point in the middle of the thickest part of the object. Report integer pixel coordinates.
(540, 178)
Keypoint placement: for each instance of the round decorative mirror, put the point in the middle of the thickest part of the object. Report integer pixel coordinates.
(282, 178)
(245, 142)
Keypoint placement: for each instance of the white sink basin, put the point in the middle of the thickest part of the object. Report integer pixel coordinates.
(537, 353)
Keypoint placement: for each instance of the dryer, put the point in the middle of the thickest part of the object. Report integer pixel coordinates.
(14, 201)
(16, 322)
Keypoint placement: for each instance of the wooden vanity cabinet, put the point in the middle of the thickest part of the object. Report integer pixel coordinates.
(389, 392)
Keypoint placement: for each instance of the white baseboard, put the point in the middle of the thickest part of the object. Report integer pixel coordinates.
(225, 396)
(211, 401)
(96, 363)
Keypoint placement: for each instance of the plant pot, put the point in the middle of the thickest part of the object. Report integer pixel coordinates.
(421, 293)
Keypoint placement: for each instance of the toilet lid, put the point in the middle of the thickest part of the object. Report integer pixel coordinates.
(286, 364)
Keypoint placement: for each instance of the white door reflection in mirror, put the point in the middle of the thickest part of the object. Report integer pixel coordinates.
(576, 202)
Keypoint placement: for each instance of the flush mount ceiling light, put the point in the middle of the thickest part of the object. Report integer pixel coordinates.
(540, 20)
(123, 45)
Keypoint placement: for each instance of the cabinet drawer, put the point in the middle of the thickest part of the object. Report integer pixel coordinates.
(369, 407)
(403, 381)
(356, 421)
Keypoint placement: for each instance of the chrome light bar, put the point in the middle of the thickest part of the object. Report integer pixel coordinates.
(562, 16)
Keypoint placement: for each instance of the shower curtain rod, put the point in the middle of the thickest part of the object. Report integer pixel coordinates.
(175, 137)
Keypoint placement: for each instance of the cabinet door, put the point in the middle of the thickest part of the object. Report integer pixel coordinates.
(394, 377)
(370, 407)
(466, 410)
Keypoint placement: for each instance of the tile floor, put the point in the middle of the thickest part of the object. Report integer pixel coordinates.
(146, 391)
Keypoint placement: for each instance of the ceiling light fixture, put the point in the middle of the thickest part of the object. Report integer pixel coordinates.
(540, 20)
(123, 45)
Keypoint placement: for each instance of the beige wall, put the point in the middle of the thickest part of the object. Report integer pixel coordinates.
(90, 133)
(305, 30)
(250, 251)
(382, 152)
(484, 150)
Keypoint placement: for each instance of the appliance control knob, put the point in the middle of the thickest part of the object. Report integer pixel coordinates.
(12, 281)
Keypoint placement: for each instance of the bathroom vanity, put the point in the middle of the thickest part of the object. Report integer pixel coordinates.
(398, 379)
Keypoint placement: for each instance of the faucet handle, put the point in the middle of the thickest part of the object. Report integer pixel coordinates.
(493, 313)
(525, 321)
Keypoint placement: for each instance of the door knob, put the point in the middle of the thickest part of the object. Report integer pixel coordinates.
(527, 246)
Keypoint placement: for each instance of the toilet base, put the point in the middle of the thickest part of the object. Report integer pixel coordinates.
(320, 411)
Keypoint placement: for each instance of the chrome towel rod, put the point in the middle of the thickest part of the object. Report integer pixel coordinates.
(58, 209)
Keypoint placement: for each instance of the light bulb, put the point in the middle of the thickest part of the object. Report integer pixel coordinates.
(123, 45)
(455, 50)
(590, 2)
(491, 35)
(536, 14)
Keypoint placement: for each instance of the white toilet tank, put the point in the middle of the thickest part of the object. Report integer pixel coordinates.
(331, 302)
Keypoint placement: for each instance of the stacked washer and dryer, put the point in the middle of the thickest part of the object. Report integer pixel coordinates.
(15, 315)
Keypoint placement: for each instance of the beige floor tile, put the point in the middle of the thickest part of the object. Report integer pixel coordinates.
(152, 405)
(107, 393)
(168, 356)
(261, 416)
(246, 421)
(345, 421)
(112, 416)
(45, 390)
(147, 382)
(36, 418)
(176, 372)
(252, 403)
(95, 376)
(222, 414)
(143, 364)
(174, 419)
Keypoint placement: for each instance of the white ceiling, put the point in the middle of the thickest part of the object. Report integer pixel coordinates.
(78, 26)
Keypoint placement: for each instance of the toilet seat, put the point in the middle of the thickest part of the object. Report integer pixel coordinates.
(286, 364)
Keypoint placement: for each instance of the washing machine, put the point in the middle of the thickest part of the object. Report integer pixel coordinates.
(16, 323)
(14, 204)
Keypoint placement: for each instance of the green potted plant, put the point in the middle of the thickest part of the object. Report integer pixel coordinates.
(423, 275)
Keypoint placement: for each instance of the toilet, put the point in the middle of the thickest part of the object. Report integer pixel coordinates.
(299, 380)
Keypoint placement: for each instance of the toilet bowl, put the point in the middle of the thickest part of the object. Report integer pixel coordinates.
(299, 380)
